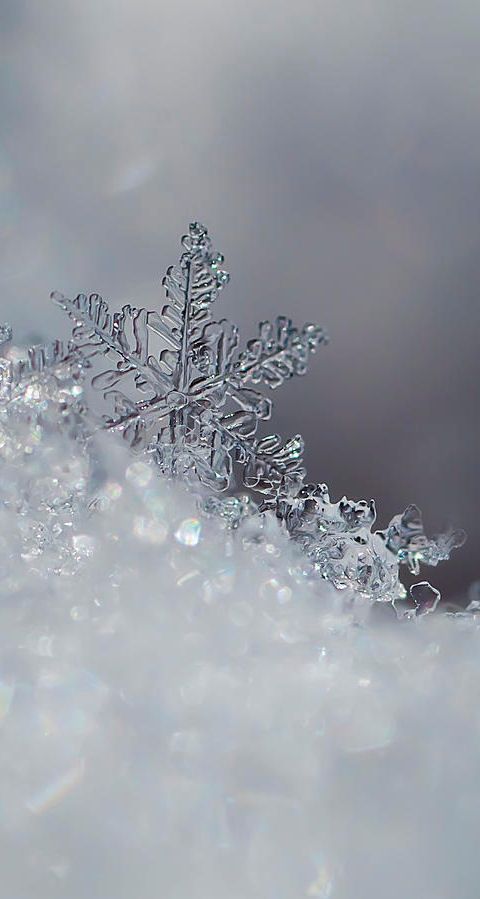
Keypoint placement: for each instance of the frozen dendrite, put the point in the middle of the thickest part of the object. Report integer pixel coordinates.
(199, 409)
(338, 541)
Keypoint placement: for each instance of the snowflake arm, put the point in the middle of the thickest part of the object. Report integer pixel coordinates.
(279, 352)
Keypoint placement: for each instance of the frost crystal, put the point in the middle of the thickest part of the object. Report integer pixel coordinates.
(338, 542)
(406, 537)
(423, 598)
(200, 409)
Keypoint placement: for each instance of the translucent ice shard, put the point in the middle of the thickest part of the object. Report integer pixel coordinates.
(405, 536)
(338, 542)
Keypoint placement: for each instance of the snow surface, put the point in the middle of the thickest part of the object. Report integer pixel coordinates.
(184, 716)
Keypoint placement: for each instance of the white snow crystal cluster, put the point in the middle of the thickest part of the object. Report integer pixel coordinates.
(185, 715)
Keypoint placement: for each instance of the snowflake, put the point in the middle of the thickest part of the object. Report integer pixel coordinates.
(338, 542)
(199, 409)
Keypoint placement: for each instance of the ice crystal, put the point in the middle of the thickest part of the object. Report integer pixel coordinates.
(337, 540)
(423, 598)
(405, 536)
(231, 510)
(200, 409)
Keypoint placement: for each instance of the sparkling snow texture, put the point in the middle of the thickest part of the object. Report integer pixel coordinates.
(183, 715)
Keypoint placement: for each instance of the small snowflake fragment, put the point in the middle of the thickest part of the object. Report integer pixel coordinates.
(422, 599)
(338, 542)
(405, 536)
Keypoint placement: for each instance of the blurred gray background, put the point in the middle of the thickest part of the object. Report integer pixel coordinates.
(333, 149)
